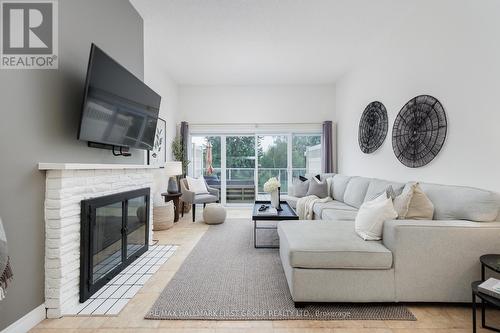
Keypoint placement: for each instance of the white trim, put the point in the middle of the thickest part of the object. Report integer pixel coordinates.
(242, 129)
(28, 321)
(88, 166)
(223, 167)
(289, 162)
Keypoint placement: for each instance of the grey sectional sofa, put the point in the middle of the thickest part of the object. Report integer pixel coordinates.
(416, 261)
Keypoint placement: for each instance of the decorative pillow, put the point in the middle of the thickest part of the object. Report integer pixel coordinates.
(402, 201)
(421, 207)
(318, 188)
(300, 188)
(318, 177)
(197, 185)
(371, 216)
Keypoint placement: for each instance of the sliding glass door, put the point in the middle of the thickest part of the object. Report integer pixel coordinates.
(240, 169)
(272, 153)
(239, 165)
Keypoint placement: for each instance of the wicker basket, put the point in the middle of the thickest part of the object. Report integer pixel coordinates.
(163, 217)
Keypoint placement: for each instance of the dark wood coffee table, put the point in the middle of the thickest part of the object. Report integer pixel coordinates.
(286, 214)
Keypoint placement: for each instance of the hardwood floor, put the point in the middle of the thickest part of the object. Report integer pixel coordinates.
(431, 318)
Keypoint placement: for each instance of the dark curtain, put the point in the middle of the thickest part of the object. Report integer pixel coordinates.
(184, 138)
(326, 148)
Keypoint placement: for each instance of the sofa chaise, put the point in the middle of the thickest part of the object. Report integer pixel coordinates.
(416, 261)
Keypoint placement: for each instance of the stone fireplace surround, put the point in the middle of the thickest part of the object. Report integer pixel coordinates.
(66, 185)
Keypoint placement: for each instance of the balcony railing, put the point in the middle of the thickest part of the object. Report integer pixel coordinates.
(240, 182)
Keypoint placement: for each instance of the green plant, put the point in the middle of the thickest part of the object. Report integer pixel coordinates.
(179, 155)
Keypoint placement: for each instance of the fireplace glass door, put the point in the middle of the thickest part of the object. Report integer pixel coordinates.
(107, 239)
(114, 233)
(136, 225)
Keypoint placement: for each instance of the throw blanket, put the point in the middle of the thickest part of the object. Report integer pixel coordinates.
(5, 270)
(305, 206)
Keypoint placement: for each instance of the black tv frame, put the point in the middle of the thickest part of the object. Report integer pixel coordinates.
(123, 150)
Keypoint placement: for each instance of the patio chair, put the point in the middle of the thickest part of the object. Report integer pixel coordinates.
(192, 198)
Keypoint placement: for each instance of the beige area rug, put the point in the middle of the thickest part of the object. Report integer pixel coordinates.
(226, 278)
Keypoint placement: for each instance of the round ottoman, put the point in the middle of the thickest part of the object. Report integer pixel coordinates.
(214, 213)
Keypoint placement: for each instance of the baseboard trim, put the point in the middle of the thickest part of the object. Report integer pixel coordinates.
(28, 321)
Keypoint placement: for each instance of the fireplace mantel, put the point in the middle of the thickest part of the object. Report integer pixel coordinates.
(90, 166)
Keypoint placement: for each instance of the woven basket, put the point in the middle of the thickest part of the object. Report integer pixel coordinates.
(163, 217)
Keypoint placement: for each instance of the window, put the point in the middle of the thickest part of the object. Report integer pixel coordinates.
(242, 163)
(306, 155)
(240, 169)
(272, 151)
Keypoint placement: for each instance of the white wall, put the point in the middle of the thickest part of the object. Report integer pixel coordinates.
(448, 49)
(257, 104)
(158, 79)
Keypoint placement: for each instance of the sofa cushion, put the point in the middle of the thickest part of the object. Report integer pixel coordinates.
(377, 186)
(204, 198)
(338, 215)
(356, 191)
(462, 203)
(320, 206)
(331, 245)
(339, 185)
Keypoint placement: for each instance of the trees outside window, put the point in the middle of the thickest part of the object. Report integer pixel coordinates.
(283, 156)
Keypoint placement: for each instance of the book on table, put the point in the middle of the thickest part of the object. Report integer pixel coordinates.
(268, 212)
(490, 287)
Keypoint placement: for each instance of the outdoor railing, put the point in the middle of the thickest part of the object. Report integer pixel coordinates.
(240, 182)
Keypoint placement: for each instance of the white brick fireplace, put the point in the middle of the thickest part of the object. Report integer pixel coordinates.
(67, 184)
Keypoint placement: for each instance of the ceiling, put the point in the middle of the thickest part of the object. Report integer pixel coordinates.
(264, 41)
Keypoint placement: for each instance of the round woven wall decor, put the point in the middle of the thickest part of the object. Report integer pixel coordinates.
(419, 131)
(372, 127)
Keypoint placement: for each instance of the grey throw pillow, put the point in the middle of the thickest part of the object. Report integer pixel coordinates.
(317, 188)
(300, 188)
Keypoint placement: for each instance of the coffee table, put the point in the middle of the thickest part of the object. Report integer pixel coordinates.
(286, 214)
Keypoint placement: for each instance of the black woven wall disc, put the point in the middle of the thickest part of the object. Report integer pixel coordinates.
(372, 127)
(419, 131)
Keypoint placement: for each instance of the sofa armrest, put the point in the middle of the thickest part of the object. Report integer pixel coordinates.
(435, 261)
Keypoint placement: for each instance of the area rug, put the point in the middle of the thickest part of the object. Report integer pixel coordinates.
(226, 278)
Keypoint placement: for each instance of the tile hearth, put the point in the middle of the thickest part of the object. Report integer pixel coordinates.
(113, 297)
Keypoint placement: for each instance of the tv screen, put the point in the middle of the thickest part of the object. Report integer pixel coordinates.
(118, 108)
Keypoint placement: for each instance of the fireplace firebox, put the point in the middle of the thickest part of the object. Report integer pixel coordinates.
(114, 232)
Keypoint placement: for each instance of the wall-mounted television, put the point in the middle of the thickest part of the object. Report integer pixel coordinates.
(119, 110)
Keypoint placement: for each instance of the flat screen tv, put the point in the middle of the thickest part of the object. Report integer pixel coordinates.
(119, 110)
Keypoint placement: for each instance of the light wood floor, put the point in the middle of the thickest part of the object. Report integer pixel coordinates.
(431, 318)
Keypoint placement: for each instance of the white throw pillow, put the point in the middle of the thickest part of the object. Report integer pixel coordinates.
(197, 185)
(372, 215)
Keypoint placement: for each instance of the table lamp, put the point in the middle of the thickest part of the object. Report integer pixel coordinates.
(173, 169)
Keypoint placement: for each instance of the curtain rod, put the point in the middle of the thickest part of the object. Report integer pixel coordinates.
(256, 124)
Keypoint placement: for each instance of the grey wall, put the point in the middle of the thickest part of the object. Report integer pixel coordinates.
(39, 114)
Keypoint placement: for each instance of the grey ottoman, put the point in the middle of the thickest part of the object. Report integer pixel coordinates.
(214, 213)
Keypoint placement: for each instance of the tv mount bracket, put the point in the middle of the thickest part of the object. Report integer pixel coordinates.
(117, 150)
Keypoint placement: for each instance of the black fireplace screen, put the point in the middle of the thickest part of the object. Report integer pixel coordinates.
(114, 232)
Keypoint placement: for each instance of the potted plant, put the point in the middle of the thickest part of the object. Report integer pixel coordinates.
(181, 155)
